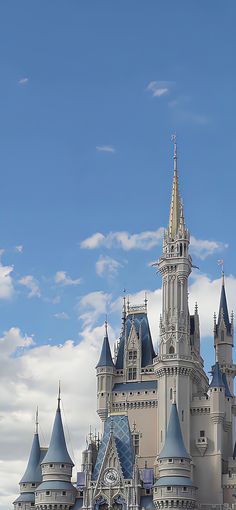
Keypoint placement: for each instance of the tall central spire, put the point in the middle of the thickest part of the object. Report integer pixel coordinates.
(175, 206)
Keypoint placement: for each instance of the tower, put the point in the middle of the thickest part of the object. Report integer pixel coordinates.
(174, 487)
(56, 489)
(223, 338)
(105, 371)
(32, 476)
(175, 365)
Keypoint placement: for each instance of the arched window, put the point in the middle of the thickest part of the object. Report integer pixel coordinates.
(181, 249)
(171, 394)
(171, 349)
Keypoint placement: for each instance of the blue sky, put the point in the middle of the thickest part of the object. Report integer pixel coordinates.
(74, 76)
(90, 93)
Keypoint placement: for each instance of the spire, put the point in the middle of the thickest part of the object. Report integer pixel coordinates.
(174, 444)
(33, 470)
(105, 356)
(57, 451)
(223, 308)
(175, 206)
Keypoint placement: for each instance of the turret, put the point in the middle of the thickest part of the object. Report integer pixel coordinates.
(105, 370)
(223, 330)
(32, 476)
(174, 487)
(56, 487)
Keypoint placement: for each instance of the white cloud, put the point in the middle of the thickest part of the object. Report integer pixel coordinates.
(23, 81)
(31, 379)
(31, 283)
(62, 278)
(203, 248)
(158, 88)
(6, 282)
(105, 148)
(61, 315)
(147, 240)
(19, 248)
(92, 306)
(106, 266)
(124, 240)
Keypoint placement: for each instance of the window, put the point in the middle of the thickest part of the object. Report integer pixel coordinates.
(182, 415)
(169, 488)
(50, 465)
(33, 484)
(31, 504)
(132, 373)
(170, 460)
(63, 493)
(147, 491)
(47, 493)
(136, 443)
(132, 355)
(171, 349)
(19, 504)
(202, 433)
(184, 489)
(62, 465)
(171, 394)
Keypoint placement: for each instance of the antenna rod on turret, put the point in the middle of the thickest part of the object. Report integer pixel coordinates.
(37, 421)
(59, 395)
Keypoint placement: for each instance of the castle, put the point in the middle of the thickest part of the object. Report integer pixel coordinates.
(168, 433)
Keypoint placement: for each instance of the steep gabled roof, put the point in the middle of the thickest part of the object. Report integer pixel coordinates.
(57, 451)
(174, 443)
(141, 324)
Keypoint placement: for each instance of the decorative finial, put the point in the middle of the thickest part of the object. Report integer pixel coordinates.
(174, 392)
(59, 395)
(221, 263)
(106, 325)
(124, 307)
(37, 421)
(174, 139)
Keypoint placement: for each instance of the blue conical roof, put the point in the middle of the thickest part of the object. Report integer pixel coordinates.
(227, 390)
(57, 451)
(174, 444)
(105, 356)
(223, 308)
(33, 471)
(217, 379)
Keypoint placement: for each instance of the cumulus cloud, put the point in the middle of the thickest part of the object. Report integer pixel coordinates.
(31, 379)
(124, 240)
(105, 148)
(30, 283)
(6, 282)
(62, 278)
(147, 240)
(204, 248)
(23, 81)
(92, 306)
(107, 266)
